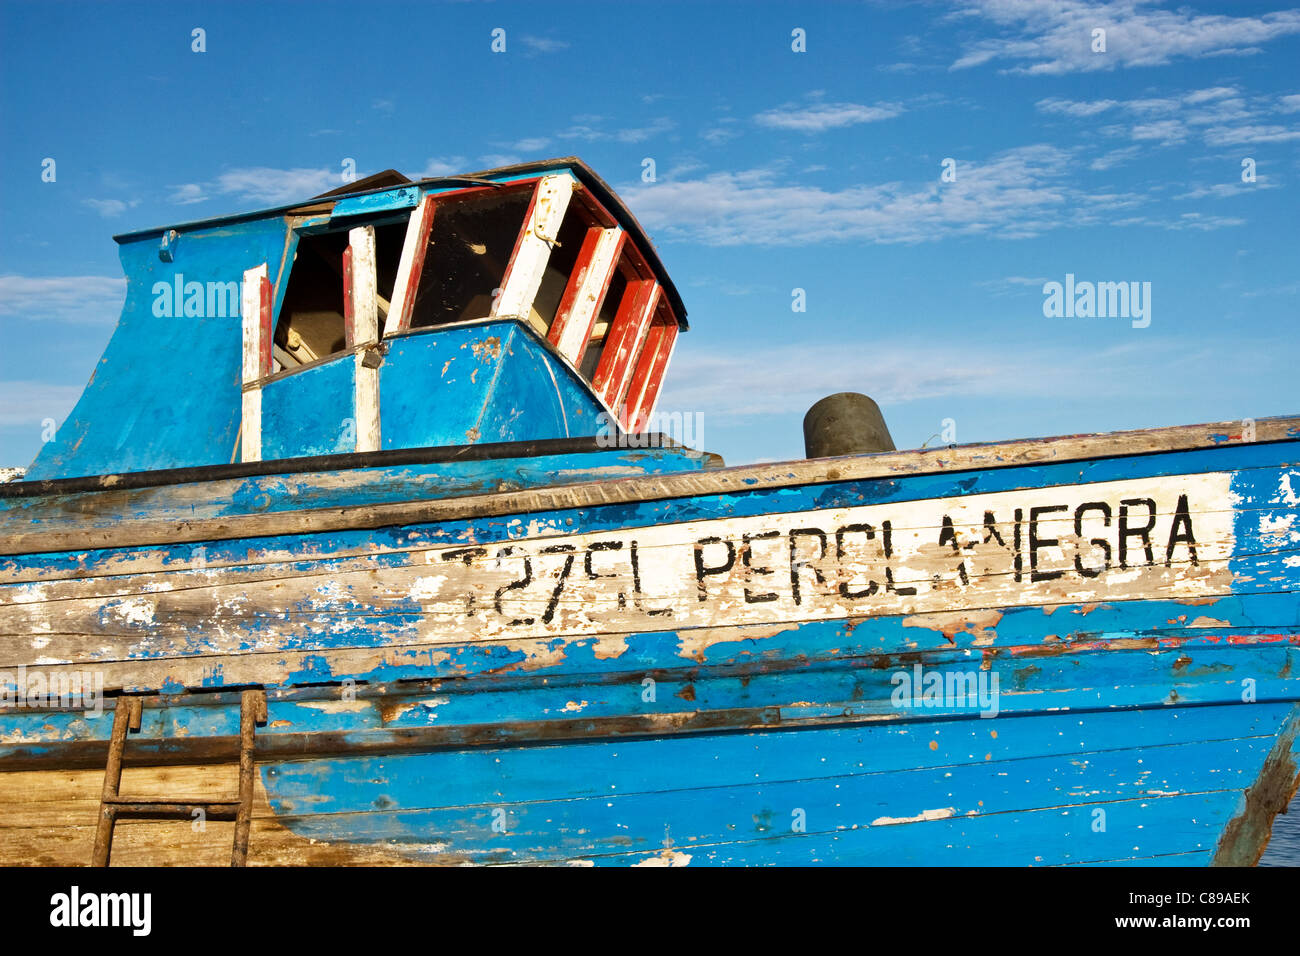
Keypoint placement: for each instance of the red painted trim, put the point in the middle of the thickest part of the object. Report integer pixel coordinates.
(595, 208)
(576, 278)
(623, 343)
(428, 206)
(648, 378)
(349, 333)
(264, 337)
(582, 268)
(519, 239)
(473, 192)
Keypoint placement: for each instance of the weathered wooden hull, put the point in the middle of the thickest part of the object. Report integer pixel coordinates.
(713, 667)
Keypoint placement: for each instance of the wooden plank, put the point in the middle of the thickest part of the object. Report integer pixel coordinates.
(746, 478)
(410, 267)
(1171, 537)
(251, 425)
(1111, 674)
(47, 818)
(256, 321)
(360, 291)
(1168, 780)
(361, 324)
(257, 361)
(523, 275)
(647, 380)
(571, 330)
(623, 343)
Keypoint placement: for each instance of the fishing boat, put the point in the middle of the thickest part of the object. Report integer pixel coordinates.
(364, 544)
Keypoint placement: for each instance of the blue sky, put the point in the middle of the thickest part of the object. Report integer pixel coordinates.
(776, 170)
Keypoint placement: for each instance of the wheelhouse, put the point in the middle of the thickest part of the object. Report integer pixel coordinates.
(516, 304)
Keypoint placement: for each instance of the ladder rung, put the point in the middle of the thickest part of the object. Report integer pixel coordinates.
(252, 711)
(223, 811)
(173, 801)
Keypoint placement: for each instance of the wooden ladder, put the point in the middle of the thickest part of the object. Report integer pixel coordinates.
(126, 716)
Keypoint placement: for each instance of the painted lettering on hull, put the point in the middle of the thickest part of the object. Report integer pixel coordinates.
(1110, 541)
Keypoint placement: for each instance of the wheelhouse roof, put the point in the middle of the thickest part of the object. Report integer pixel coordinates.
(391, 179)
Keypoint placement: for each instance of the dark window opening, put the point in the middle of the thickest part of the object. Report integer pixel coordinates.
(311, 319)
(560, 265)
(470, 246)
(600, 328)
(631, 268)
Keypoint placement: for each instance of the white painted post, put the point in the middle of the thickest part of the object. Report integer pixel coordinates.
(527, 266)
(362, 313)
(410, 267)
(577, 326)
(256, 311)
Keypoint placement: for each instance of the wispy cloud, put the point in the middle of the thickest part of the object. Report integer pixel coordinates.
(818, 117)
(723, 383)
(587, 128)
(531, 144)
(1018, 193)
(1013, 285)
(1218, 116)
(1115, 157)
(727, 129)
(536, 44)
(1188, 221)
(444, 166)
(493, 160)
(109, 208)
(81, 299)
(260, 184)
(265, 184)
(187, 194)
(30, 403)
(1055, 36)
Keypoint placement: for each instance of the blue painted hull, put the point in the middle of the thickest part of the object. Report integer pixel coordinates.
(1156, 725)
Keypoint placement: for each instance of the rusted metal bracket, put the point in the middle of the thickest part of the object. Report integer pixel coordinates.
(126, 718)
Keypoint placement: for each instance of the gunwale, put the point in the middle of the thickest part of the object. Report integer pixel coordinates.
(737, 479)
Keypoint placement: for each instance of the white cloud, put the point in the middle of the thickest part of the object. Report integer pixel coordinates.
(531, 144)
(1074, 107)
(108, 208)
(187, 194)
(1019, 193)
(1250, 133)
(1195, 221)
(537, 44)
(1219, 115)
(1226, 190)
(726, 130)
(723, 384)
(30, 403)
(493, 160)
(444, 166)
(1115, 157)
(819, 117)
(82, 299)
(585, 129)
(1290, 104)
(276, 187)
(1055, 36)
(1013, 285)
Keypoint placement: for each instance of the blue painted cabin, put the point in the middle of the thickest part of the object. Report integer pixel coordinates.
(391, 568)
